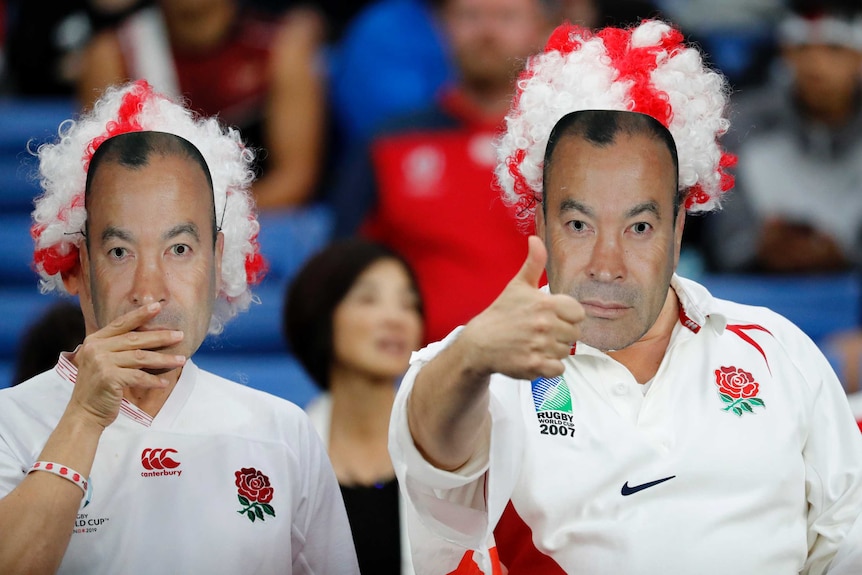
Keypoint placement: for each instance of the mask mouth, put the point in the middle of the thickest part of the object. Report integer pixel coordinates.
(165, 320)
(605, 311)
(606, 296)
(604, 304)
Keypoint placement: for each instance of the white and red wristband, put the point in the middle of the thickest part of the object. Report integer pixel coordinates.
(66, 473)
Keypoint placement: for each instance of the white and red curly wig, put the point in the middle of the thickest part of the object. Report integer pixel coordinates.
(59, 215)
(647, 68)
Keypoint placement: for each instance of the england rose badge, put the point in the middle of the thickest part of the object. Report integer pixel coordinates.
(255, 494)
(738, 390)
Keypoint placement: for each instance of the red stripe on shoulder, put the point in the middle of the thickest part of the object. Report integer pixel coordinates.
(741, 331)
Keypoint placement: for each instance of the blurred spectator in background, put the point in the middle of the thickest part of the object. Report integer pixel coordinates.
(737, 36)
(391, 59)
(798, 204)
(423, 185)
(394, 57)
(352, 317)
(60, 328)
(261, 73)
(45, 40)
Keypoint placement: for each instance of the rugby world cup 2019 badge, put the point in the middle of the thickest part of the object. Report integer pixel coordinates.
(553, 403)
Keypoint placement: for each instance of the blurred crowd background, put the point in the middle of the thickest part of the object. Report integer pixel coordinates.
(376, 119)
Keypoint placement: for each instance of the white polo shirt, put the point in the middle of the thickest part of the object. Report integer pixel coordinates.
(225, 479)
(742, 457)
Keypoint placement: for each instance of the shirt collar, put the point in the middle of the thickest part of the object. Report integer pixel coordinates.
(67, 370)
(696, 305)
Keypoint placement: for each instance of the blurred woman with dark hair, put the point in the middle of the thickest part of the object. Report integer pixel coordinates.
(352, 316)
(59, 328)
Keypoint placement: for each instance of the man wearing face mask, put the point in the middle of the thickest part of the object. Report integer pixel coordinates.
(621, 419)
(126, 457)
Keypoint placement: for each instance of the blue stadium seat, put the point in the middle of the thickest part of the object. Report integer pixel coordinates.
(256, 331)
(16, 257)
(26, 119)
(18, 183)
(818, 304)
(19, 307)
(26, 123)
(7, 369)
(288, 238)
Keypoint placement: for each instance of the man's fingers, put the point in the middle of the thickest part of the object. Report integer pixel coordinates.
(152, 360)
(534, 265)
(129, 321)
(133, 340)
(568, 308)
(147, 339)
(549, 368)
(566, 334)
(559, 349)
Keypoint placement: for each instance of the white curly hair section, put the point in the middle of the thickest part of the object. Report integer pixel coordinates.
(584, 76)
(59, 215)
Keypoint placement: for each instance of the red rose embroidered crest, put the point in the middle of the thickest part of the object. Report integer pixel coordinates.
(255, 493)
(737, 388)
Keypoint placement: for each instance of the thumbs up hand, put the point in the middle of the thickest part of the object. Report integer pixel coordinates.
(524, 333)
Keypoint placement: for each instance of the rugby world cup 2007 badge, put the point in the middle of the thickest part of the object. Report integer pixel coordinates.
(553, 403)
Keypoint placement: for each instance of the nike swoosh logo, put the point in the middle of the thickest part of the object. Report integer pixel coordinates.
(626, 490)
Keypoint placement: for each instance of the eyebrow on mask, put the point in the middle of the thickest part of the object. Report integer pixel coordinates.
(571, 205)
(115, 233)
(645, 207)
(180, 229)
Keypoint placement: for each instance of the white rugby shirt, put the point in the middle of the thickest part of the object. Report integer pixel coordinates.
(588, 474)
(165, 495)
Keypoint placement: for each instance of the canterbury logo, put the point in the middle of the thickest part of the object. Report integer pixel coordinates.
(158, 459)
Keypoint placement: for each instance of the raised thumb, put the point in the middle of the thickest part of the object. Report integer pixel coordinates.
(533, 267)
